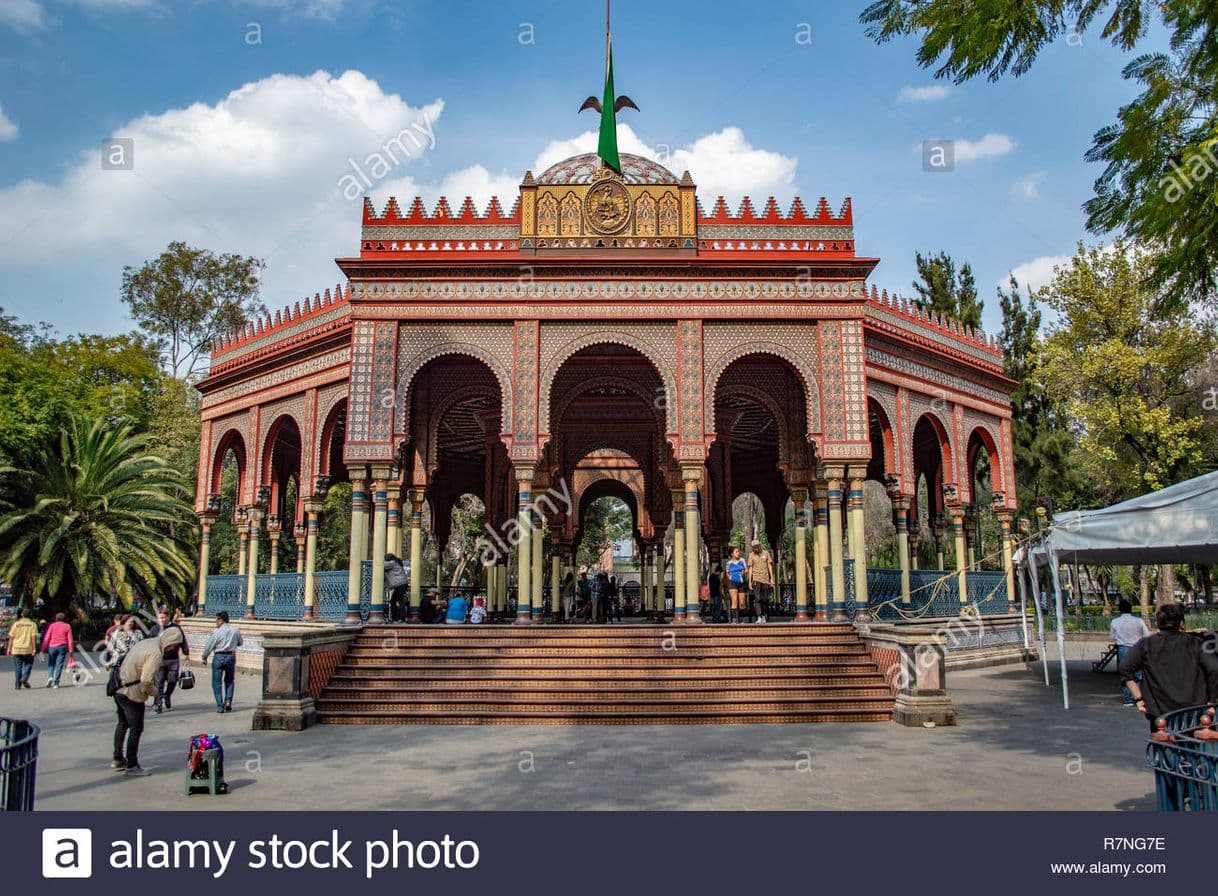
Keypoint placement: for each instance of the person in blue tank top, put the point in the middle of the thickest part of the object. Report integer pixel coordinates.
(735, 583)
(458, 606)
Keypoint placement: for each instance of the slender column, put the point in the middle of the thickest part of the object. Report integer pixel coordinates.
(243, 548)
(491, 588)
(901, 507)
(1005, 518)
(309, 542)
(799, 497)
(820, 551)
(858, 523)
(300, 532)
(274, 533)
(501, 585)
(957, 517)
(692, 478)
(939, 531)
(970, 534)
(837, 587)
(380, 541)
(251, 565)
(394, 522)
(679, 589)
(207, 519)
(537, 595)
(645, 598)
(524, 545)
(416, 554)
(359, 523)
(556, 575)
(915, 540)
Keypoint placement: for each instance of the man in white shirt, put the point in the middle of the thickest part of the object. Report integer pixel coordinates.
(1127, 630)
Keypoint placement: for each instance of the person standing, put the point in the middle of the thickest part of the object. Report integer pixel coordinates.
(398, 584)
(714, 585)
(605, 597)
(57, 645)
(1177, 669)
(137, 682)
(23, 646)
(1127, 630)
(568, 597)
(167, 677)
(121, 640)
(458, 607)
(761, 580)
(223, 642)
(736, 584)
(585, 596)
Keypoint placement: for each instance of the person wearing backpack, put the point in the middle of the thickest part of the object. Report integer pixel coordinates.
(137, 679)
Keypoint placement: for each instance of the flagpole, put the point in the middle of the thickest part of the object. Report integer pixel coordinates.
(608, 38)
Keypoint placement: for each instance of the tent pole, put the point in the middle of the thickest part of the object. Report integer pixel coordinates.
(1061, 634)
(1040, 616)
(1023, 608)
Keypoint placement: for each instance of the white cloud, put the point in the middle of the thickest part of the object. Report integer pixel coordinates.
(931, 94)
(1038, 272)
(991, 146)
(723, 163)
(8, 127)
(24, 16)
(1028, 187)
(258, 173)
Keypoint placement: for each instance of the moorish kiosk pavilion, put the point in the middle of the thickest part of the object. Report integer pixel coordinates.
(607, 336)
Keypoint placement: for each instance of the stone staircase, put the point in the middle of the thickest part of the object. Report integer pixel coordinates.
(605, 675)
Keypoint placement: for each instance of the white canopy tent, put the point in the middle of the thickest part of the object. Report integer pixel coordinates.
(1178, 524)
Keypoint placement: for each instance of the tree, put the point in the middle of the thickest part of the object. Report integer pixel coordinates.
(187, 297)
(1123, 360)
(606, 522)
(941, 289)
(1040, 432)
(1159, 185)
(93, 510)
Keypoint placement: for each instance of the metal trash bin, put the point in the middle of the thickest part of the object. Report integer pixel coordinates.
(18, 764)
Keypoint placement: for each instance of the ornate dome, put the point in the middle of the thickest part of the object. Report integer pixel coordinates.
(580, 170)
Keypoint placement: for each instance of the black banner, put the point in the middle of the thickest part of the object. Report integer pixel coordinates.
(593, 853)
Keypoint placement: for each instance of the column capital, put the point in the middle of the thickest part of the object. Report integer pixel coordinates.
(255, 515)
(313, 506)
(835, 472)
(417, 496)
(692, 473)
(902, 503)
(208, 518)
(799, 495)
(856, 472)
(381, 476)
(357, 474)
(525, 472)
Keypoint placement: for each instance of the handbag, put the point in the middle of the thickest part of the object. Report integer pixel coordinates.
(186, 679)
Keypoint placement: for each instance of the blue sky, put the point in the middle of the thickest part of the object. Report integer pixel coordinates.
(245, 115)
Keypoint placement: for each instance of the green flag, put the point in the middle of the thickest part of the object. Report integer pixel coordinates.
(608, 145)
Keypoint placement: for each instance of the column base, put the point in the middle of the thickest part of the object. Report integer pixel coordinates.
(839, 616)
(919, 712)
(249, 613)
(524, 619)
(376, 617)
(679, 618)
(862, 616)
(820, 616)
(353, 617)
(284, 715)
(310, 614)
(802, 616)
(694, 617)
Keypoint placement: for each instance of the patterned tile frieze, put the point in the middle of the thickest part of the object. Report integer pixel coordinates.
(439, 233)
(384, 394)
(593, 290)
(203, 468)
(934, 375)
(524, 437)
(363, 355)
(291, 376)
(926, 333)
(796, 343)
(853, 370)
(490, 343)
(337, 376)
(691, 372)
(777, 234)
(655, 341)
(293, 332)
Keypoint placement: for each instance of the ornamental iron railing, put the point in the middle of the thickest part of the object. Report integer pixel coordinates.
(226, 593)
(279, 596)
(18, 764)
(1185, 765)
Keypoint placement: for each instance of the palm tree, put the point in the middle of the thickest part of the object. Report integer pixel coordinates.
(95, 511)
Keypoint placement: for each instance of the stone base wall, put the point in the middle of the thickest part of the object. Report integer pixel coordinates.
(253, 633)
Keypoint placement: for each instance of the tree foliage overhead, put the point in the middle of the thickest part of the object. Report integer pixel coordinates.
(1126, 357)
(941, 288)
(1160, 182)
(94, 511)
(186, 297)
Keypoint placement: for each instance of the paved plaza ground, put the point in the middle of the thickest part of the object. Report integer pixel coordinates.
(1014, 748)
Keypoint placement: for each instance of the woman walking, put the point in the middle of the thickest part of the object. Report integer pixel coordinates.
(735, 584)
(57, 645)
